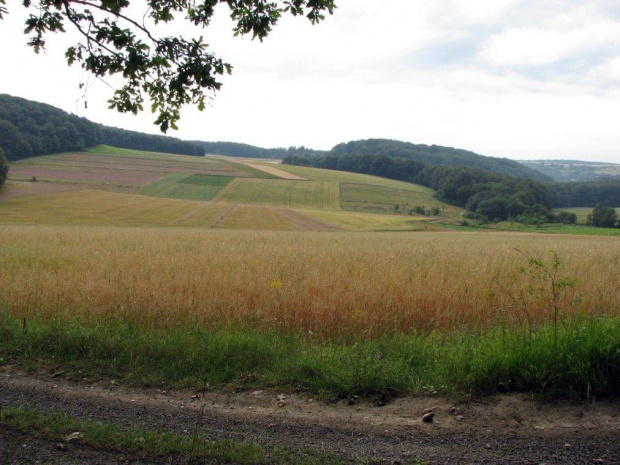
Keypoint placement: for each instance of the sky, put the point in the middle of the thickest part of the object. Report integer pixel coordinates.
(521, 79)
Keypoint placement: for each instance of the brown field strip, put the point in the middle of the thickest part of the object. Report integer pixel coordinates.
(272, 169)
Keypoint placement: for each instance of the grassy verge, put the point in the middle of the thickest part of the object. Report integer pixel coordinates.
(579, 359)
(152, 444)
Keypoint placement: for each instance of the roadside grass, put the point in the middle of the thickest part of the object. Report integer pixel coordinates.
(280, 192)
(554, 228)
(150, 445)
(581, 359)
(383, 199)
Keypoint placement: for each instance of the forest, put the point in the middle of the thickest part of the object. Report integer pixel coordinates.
(30, 128)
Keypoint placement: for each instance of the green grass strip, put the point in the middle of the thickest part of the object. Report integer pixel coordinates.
(115, 437)
(207, 180)
(581, 359)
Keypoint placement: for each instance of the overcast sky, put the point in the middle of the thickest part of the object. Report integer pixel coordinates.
(522, 79)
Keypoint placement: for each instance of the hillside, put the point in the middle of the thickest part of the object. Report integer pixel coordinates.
(30, 128)
(109, 186)
(574, 170)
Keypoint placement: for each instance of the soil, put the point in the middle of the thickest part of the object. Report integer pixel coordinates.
(515, 429)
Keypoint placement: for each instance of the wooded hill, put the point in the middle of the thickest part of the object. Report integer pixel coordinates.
(29, 128)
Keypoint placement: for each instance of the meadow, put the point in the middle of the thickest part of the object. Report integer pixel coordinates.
(277, 283)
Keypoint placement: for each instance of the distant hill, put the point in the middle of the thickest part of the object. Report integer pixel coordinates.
(30, 128)
(574, 170)
(439, 155)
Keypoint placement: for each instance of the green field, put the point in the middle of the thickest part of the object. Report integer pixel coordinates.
(176, 186)
(384, 199)
(582, 213)
(280, 192)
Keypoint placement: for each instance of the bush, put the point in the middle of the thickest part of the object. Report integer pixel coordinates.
(566, 218)
(602, 217)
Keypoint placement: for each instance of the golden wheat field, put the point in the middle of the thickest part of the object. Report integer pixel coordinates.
(331, 284)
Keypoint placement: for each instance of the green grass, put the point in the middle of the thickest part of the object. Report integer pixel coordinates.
(280, 192)
(183, 187)
(206, 180)
(582, 358)
(150, 444)
(554, 228)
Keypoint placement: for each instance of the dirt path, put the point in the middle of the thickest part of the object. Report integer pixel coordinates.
(506, 429)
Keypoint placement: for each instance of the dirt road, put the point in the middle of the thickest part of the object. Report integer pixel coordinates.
(511, 429)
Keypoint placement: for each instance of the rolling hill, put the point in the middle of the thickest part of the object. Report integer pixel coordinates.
(108, 186)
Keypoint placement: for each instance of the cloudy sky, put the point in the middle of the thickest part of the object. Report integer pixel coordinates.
(522, 79)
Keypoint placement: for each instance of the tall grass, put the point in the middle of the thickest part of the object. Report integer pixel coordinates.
(342, 286)
(581, 359)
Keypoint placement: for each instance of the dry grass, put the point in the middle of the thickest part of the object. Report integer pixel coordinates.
(350, 285)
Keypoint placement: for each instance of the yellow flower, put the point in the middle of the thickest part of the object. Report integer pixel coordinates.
(276, 283)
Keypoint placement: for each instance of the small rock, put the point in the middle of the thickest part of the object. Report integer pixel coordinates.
(455, 410)
(459, 417)
(257, 393)
(60, 446)
(428, 417)
(487, 446)
(73, 436)
(568, 446)
(194, 397)
(428, 410)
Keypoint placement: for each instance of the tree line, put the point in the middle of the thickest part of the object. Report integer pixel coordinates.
(485, 195)
(234, 149)
(148, 142)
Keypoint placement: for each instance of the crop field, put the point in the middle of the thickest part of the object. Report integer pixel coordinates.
(383, 199)
(332, 284)
(280, 192)
(121, 169)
